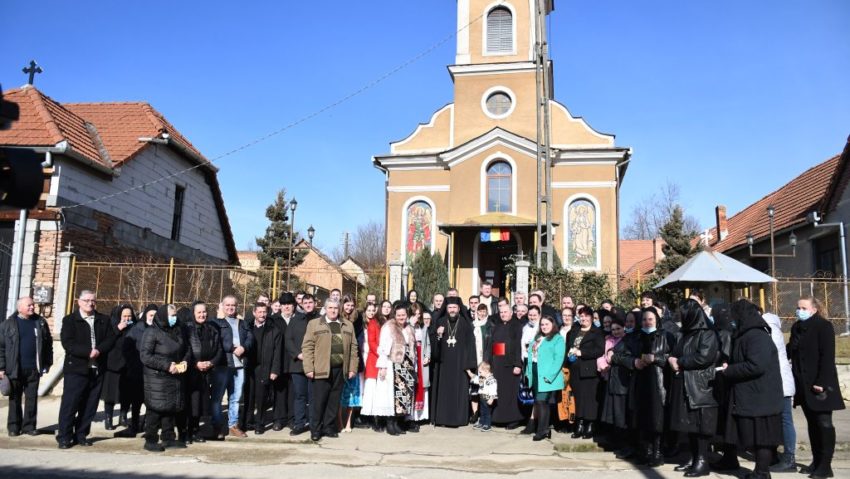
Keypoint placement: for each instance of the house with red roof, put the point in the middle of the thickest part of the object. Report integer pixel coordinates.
(821, 189)
(637, 260)
(121, 185)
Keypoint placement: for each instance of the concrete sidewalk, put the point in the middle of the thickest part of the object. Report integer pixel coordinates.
(362, 453)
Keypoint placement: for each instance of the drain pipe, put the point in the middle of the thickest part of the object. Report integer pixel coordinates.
(15, 287)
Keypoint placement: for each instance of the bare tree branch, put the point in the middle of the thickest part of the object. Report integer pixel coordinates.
(653, 211)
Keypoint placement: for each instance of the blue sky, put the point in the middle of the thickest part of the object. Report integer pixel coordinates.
(727, 99)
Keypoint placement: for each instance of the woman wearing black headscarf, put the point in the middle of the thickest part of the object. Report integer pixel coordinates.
(133, 388)
(693, 409)
(755, 387)
(165, 356)
(724, 326)
(648, 396)
(206, 354)
(116, 367)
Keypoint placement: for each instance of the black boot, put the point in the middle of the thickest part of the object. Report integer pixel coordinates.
(827, 443)
(656, 458)
(541, 411)
(728, 461)
(391, 426)
(122, 417)
(376, 424)
(579, 431)
(815, 438)
(412, 426)
(699, 450)
(699, 468)
(531, 426)
(588, 430)
(153, 446)
(109, 410)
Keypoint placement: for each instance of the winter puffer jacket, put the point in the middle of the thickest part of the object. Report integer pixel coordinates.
(162, 345)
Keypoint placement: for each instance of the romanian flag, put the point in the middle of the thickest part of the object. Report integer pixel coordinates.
(495, 235)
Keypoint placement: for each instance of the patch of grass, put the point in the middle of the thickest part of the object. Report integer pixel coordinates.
(577, 447)
(842, 348)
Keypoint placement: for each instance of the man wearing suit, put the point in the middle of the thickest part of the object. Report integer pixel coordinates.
(294, 337)
(87, 338)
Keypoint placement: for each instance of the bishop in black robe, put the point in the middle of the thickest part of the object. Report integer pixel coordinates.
(454, 356)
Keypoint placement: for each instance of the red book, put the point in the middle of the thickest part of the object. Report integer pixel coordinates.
(498, 349)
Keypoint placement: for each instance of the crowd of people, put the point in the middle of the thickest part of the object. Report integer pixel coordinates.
(638, 381)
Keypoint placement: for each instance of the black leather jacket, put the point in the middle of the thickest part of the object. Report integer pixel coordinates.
(698, 351)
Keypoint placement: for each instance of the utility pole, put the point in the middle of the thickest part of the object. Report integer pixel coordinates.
(544, 157)
(345, 237)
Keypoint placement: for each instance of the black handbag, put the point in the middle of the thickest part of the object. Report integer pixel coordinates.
(5, 385)
(525, 395)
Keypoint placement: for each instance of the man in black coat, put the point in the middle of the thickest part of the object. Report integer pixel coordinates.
(263, 368)
(87, 338)
(26, 352)
(294, 365)
(283, 394)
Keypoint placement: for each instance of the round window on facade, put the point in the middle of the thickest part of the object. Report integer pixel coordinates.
(499, 104)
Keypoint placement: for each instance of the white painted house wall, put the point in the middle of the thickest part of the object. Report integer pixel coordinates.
(153, 205)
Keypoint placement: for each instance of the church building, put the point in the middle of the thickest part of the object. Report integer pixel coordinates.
(465, 183)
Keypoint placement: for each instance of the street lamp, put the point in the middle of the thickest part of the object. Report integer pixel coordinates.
(792, 241)
(310, 233)
(292, 205)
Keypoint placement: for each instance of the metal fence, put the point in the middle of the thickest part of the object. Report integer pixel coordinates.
(140, 284)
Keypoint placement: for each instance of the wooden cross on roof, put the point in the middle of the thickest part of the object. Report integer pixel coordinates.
(32, 69)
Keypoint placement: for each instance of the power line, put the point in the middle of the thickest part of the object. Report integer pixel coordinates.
(295, 123)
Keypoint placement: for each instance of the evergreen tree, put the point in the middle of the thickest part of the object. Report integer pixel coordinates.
(679, 243)
(430, 275)
(276, 243)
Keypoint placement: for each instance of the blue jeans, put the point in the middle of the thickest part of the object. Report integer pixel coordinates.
(231, 380)
(301, 398)
(789, 434)
(483, 412)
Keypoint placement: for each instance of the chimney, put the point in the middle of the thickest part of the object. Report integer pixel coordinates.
(722, 224)
(657, 253)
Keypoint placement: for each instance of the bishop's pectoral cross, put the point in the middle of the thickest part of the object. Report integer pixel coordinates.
(451, 341)
(32, 70)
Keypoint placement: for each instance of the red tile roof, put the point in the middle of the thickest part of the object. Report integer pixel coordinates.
(116, 126)
(637, 261)
(44, 122)
(122, 124)
(633, 252)
(810, 191)
(104, 133)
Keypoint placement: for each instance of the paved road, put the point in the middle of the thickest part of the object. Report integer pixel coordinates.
(435, 452)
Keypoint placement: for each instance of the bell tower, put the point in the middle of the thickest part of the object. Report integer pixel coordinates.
(495, 31)
(494, 72)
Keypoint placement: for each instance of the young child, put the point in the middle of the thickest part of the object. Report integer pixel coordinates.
(487, 394)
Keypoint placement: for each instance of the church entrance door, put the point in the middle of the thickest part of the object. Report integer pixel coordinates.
(492, 259)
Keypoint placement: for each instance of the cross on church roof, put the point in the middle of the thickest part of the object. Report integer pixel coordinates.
(69, 247)
(705, 237)
(32, 69)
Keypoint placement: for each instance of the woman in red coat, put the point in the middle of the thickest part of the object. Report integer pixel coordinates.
(374, 322)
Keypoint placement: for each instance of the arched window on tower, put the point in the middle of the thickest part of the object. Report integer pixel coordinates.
(499, 187)
(500, 38)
